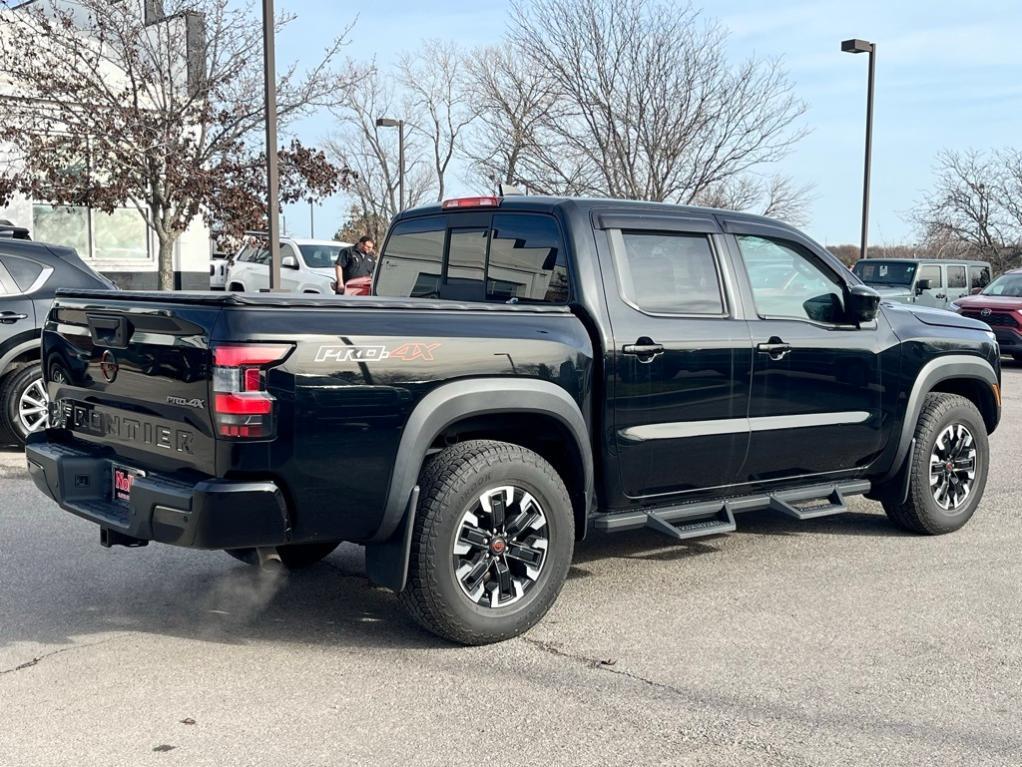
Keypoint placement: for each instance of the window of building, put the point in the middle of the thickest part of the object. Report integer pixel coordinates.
(789, 281)
(119, 236)
(664, 273)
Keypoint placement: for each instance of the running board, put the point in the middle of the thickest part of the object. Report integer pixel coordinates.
(718, 524)
(702, 518)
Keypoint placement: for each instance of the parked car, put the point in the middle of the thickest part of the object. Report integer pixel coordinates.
(928, 282)
(219, 265)
(585, 366)
(307, 266)
(999, 305)
(30, 273)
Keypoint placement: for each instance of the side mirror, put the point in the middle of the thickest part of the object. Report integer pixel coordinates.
(922, 285)
(863, 304)
(976, 291)
(289, 262)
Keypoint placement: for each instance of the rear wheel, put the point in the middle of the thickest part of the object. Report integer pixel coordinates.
(493, 539)
(25, 401)
(295, 556)
(949, 467)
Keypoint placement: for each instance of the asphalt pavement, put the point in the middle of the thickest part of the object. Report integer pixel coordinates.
(841, 641)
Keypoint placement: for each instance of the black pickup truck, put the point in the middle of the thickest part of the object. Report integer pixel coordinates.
(528, 371)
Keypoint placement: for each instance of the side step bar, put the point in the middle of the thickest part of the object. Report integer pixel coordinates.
(702, 518)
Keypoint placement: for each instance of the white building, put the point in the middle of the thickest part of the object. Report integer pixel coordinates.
(120, 245)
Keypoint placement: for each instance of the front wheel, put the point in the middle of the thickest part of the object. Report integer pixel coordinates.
(949, 467)
(492, 544)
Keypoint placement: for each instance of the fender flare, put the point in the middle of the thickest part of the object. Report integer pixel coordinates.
(388, 550)
(931, 374)
(12, 354)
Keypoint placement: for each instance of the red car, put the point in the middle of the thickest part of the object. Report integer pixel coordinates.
(999, 305)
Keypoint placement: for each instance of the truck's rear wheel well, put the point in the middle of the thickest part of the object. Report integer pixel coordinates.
(976, 391)
(544, 435)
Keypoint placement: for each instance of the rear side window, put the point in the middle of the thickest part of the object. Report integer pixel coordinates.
(24, 271)
(517, 258)
(669, 273)
(931, 273)
(412, 264)
(956, 277)
(979, 276)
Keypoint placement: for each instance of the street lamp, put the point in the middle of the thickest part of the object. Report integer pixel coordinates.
(862, 46)
(389, 122)
(272, 171)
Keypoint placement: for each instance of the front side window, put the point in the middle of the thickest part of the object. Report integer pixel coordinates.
(662, 273)
(956, 277)
(412, 261)
(789, 281)
(931, 273)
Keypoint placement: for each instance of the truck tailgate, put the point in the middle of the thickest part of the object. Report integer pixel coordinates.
(133, 376)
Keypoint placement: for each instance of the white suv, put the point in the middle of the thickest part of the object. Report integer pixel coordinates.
(307, 266)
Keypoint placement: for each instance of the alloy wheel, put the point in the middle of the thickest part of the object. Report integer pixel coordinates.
(501, 546)
(953, 467)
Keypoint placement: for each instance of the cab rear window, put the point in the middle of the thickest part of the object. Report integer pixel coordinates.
(506, 258)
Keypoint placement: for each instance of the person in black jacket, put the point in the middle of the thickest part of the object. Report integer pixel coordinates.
(359, 260)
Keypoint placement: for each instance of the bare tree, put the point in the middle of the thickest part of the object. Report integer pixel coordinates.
(778, 197)
(514, 104)
(647, 106)
(371, 152)
(970, 208)
(434, 79)
(111, 111)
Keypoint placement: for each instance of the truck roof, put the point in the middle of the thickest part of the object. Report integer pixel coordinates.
(543, 204)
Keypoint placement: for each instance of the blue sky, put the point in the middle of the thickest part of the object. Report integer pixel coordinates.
(947, 77)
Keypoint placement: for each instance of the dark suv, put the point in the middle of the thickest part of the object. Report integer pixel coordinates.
(30, 273)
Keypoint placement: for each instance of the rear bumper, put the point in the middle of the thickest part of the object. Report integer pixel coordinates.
(210, 514)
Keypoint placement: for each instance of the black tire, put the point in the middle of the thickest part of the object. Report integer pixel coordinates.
(451, 486)
(921, 512)
(26, 382)
(295, 556)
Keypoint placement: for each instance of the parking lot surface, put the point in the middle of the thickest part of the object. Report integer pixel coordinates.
(836, 641)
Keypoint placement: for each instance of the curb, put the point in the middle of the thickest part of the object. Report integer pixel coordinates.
(12, 463)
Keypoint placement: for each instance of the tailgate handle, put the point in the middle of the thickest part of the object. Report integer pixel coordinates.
(109, 330)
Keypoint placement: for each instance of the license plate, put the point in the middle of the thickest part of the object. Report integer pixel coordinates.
(123, 480)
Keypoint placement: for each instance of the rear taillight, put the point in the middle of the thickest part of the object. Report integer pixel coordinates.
(242, 408)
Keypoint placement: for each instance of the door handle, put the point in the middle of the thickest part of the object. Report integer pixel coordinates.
(941, 296)
(9, 318)
(646, 349)
(775, 348)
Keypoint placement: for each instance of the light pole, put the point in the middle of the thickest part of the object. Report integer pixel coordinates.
(389, 122)
(272, 171)
(862, 46)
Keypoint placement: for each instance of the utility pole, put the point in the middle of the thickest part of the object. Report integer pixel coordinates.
(272, 170)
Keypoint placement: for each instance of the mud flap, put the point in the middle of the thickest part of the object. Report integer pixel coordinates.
(387, 562)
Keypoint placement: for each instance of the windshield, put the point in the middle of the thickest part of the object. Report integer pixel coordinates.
(1005, 285)
(875, 272)
(320, 256)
